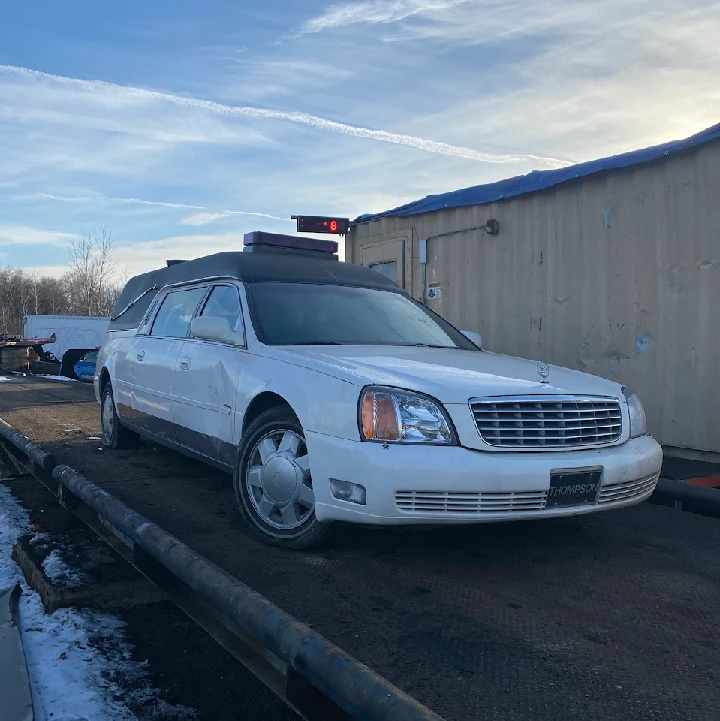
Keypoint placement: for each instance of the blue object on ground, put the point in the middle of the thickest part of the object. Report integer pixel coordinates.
(85, 367)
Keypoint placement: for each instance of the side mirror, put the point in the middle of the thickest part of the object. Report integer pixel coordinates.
(473, 337)
(217, 329)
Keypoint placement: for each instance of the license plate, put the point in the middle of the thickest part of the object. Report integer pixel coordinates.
(574, 487)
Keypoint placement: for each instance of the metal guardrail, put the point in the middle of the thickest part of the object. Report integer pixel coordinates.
(45, 461)
(320, 680)
(696, 499)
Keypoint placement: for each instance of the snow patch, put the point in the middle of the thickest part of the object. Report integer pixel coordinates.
(94, 438)
(14, 522)
(79, 664)
(58, 378)
(4, 378)
(56, 569)
(80, 667)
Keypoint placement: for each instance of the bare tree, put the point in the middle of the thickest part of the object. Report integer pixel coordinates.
(90, 275)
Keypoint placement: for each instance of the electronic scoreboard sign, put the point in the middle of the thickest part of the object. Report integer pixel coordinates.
(321, 224)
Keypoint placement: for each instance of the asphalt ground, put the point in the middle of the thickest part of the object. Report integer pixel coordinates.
(611, 615)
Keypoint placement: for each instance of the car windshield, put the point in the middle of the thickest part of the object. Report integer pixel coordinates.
(308, 314)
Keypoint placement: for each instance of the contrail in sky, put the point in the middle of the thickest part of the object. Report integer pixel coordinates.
(90, 199)
(246, 111)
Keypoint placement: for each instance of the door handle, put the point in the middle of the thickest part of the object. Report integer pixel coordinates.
(141, 355)
(185, 364)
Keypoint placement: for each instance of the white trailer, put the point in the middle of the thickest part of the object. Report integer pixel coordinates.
(74, 334)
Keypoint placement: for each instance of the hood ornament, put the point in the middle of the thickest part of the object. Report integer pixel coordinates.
(543, 371)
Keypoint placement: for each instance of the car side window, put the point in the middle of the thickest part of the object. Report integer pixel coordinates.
(176, 312)
(224, 302)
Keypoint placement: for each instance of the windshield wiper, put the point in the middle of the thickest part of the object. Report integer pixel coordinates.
(428, 345)
(314, 342)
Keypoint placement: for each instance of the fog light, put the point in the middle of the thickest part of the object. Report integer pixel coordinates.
(346, 491)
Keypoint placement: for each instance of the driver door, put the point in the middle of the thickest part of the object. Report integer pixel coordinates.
(208, 373)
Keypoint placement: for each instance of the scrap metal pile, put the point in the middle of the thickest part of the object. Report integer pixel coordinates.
(21, 354)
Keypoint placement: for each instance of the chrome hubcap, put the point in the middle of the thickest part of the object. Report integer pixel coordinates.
(108, 419)
(278, 480)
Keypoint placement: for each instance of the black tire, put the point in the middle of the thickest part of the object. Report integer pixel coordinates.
(114, 434)
(310, 533)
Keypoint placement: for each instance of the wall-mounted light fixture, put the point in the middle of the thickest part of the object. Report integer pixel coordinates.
(492, 227)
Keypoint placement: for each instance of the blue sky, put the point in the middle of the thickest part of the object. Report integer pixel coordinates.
(181, 126)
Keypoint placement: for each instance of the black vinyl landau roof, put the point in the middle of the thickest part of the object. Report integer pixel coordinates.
(271, 267)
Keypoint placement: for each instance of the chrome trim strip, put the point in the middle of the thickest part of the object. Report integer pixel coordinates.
(541, 397)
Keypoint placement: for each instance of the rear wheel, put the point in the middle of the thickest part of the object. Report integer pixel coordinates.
(273, 485)
(114, 434)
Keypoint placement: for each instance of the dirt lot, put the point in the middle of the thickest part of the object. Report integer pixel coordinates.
(610, 616)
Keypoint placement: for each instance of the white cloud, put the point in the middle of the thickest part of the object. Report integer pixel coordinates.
(53, 271)
(664, 23)
(608, 77)
(374, 12)
(110, 93)
(27, 235)
(141, 257)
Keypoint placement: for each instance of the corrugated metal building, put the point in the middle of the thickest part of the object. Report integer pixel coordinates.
(611, 267)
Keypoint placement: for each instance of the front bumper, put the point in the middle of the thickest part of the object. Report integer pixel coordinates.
(458, 485)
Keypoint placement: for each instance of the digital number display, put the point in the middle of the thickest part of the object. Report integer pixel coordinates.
(321, 224)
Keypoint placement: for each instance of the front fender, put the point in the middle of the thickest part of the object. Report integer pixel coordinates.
(114, 347)
(322, 403)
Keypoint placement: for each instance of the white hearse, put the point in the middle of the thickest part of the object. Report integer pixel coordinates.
(332, 395)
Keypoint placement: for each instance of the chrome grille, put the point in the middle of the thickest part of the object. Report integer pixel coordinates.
(547, 421)
(627, 489)
(457, 502)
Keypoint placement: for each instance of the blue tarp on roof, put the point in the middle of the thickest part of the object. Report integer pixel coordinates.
(541, 179)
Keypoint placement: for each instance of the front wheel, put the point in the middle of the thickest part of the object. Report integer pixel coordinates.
(273, 485)
(114, 435)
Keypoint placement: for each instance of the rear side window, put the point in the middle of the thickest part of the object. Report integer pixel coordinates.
(224, 302)
(91, 357)
(176, 312)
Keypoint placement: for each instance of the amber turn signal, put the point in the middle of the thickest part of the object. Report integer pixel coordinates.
(379, 417)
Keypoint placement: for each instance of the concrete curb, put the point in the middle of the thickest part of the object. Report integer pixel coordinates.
(16, 704)
(687, 497)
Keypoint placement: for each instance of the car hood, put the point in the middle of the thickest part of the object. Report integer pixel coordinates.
(450, 375)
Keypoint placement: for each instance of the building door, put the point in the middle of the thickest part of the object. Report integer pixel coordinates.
(391, 258)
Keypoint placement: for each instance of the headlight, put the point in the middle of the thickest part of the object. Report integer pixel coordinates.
(395, 416)
(638, 422)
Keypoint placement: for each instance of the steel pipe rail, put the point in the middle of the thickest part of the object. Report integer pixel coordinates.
(36, 454)
(348, 684)
(696, 499)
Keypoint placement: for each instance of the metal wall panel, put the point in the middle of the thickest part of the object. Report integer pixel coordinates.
(617, 274)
